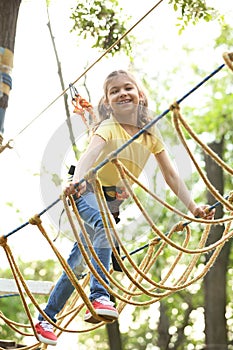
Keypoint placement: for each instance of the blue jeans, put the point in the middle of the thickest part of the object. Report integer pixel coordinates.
(89, 212)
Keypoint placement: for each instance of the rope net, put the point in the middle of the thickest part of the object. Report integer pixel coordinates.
(137, 278)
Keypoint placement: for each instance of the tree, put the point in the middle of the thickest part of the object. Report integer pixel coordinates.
(93, 18)
(8, 22)
(104, 21)
(215, 282)
(192, 12)
(215, 293)
(5, 29)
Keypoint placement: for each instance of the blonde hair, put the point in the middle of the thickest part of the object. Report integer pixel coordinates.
(104, 112)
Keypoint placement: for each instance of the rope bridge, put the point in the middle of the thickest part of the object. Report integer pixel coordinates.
(135, 281)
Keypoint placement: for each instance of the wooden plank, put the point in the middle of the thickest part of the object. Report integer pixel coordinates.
(8, 286)
(8, 344)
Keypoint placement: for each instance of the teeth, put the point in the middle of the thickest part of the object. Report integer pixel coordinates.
(126, 101)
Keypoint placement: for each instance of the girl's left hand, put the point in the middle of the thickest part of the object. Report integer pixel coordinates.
(203, 212)
(71, 189)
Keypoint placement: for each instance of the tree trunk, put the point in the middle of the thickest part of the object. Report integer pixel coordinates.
(65, 96)
(215, 280)
(114, 336)
(8, 20)
(163, 328)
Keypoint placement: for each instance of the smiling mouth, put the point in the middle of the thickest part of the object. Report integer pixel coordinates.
(124, 102)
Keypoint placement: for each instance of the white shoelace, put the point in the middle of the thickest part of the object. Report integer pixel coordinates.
(104, 301)
(46, 326)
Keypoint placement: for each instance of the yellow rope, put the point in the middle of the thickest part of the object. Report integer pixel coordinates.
(92, 65)
(125, 270)
(136, 288)
(123, 170)
(93, 253)
(176, 118)
(228, 58)
(7, 145)
(139, 276)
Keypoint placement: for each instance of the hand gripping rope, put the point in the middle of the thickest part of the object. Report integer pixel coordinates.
(139, 275)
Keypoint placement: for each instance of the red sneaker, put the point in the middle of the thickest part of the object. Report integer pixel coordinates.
(45, 333)
(103, 308)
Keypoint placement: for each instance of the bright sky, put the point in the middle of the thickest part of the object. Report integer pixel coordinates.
(36, 85)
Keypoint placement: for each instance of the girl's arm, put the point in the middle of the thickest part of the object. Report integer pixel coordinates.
(84, 164)
(178, 186)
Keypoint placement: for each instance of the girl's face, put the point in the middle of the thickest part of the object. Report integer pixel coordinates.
(122, 96)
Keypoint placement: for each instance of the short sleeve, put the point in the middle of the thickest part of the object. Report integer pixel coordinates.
(104, 130)
(158, 144)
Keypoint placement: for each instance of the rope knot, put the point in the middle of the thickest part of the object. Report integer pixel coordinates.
(35, 220)
(112, 157)
(230, 198)
(174, 106)
(178, 227)
(3, 241)
(155, 241)
(228, 58)
(115, 160)
(7, 145)
(90, 176)
(120, 167)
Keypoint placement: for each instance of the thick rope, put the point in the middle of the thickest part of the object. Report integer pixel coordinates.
(93, 253)
(137, 280)
(228, 58)
(91, 66)
(123, 170)
(176, 118)
(145, 266)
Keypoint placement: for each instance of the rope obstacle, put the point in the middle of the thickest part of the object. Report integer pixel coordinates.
(137, 280)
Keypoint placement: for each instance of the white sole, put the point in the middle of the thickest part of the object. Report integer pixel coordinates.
(107, 314)
(46, 340)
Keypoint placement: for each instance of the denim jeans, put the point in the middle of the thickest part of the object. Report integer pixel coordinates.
(89, 212)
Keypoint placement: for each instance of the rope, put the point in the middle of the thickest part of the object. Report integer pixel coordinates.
(152, 122)
(155, 291)
(122, 169)
(90, 67)
(228, 58)
(132, 139)
(138, 275)
(7, 145)
(177, 117)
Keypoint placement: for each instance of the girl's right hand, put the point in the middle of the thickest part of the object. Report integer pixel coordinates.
(78, 191)
(203, 212)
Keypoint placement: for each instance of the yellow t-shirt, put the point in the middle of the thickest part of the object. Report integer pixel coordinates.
(134, 156)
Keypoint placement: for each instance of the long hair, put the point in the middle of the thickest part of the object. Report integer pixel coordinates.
(105, 113)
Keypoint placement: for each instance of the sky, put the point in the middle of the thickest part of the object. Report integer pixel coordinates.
(36, 85)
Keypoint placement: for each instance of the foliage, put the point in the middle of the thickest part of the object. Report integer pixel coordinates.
(215, 114)
(94, 340)
(192, 11)
(12, 307)
(225, 37)
(104, 21)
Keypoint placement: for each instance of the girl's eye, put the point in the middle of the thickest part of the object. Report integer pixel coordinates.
(113, 92)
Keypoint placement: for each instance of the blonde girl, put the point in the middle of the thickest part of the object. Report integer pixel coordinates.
(122, 113)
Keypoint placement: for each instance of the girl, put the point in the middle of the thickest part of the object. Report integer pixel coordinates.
(123, 112)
